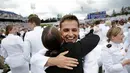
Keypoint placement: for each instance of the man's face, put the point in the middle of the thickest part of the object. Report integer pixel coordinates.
(69, 30)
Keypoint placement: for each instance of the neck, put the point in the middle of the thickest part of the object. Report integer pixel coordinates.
(115, 42)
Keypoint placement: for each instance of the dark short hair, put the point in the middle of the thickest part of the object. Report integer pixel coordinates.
(69, 17)
(35, 20)
(51, 40)
(97, 22)
(32, 15)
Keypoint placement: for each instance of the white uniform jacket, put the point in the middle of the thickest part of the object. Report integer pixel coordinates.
(112, 58)
(38, 61)
(12, 50)
(32, 45)
(90, 64)
(32, 42)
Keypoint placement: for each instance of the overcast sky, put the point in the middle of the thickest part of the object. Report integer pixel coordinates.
(50, 8)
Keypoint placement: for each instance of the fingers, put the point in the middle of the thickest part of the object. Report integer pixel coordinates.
(74, 62)
(67, 67)
(71, 59)
(64, 53)
(72, 65)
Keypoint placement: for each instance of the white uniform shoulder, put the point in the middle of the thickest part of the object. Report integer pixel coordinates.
(107, 47)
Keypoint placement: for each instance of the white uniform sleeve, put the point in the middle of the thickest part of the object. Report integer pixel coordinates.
(125, 27)
(99, 62)
(108, 63)
(39, 59)
(21, 43)
(90, 64)
(37, 69)
(27, 48)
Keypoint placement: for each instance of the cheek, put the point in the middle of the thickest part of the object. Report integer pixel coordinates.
(76, 34)
(63, 35)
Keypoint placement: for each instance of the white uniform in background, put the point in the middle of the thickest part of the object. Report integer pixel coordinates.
(90, 61)
(33, 44)
(87, 30)
(39, 60)
(12, 51)
(21, 32)
(98, 31)
(125, 27)
(127, 45)
(112, 58)
(104, 29)
(81, 32)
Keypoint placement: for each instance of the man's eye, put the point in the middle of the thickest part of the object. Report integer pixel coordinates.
(66, 30)
(74, 30)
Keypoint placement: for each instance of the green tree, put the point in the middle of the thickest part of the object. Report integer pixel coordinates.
(122, 10)
(114, 13)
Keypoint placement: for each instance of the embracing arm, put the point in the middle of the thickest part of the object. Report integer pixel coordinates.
(60, 61)
(88, 43)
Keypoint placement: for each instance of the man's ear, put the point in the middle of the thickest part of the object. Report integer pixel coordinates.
(61, 34)
(113, 37)
(33, 23)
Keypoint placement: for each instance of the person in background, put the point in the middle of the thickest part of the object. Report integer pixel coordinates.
(113, 55)
(12, 51)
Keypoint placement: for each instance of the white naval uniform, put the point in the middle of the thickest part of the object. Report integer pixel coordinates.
(81, 32)
(112, 58)
(33, 44)
(98, 48)
(90, 64)
(127, 42)
(39, 60)
(12, 51)
(125, 26)
(103, 30)
(127, 34)
(98, 31)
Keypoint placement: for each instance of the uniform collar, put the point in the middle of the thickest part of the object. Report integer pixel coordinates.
(118, 45)
(10, 34)
(37, 27)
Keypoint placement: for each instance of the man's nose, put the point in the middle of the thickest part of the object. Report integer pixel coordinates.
(70, 33)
